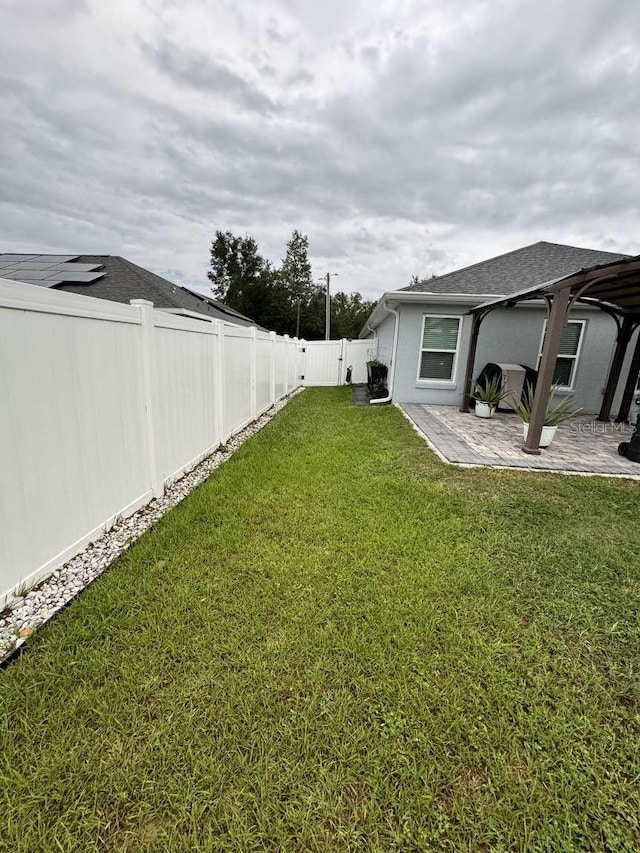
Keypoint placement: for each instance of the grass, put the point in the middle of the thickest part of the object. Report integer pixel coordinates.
(339, 643)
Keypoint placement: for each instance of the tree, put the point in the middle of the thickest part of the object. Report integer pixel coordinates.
(295, 271)
(297, 286)
(417, 280)
(245, 281)
(349, 313)
(240, 276)
(313, 316)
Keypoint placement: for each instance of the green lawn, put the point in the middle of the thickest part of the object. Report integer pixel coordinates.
(339, 643)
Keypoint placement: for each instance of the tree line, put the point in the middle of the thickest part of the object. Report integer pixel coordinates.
(285, 299)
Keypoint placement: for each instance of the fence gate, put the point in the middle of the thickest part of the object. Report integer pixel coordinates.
(326, 362)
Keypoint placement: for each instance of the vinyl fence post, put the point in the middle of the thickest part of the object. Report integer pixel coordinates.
(296, 351)
(272, 372)
(145, 309)
(286, 365)
(219, 380)
(341, 358)
(254, 370)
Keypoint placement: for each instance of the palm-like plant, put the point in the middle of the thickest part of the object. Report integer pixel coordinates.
(491, 391)
(554, 414)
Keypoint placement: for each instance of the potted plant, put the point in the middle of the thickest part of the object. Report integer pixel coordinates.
(554, 415)
(488, 396)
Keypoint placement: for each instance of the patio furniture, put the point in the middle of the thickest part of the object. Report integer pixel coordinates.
(631, 449)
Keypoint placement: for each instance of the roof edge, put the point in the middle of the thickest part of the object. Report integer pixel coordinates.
(417, 296)
(445, 275)
(552, 285)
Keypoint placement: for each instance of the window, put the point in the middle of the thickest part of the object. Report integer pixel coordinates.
(439, 348)
(568, 353)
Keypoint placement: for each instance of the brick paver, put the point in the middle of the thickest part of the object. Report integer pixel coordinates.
(583, 445)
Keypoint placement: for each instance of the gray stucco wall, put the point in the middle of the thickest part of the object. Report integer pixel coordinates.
(506, 335)
(384, 334)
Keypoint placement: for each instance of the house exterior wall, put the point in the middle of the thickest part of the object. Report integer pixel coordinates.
(506, 335)
(384, 334)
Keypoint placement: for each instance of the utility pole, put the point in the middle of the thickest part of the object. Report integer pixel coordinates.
(298, 320)
(327, 321)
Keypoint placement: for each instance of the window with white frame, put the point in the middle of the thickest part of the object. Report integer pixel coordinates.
(568, 354)
(439, 347)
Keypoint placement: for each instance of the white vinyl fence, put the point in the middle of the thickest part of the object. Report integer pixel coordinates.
(326, 362)
(102, 404)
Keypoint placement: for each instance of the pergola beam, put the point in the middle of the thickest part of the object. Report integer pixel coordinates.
(555, 324)
(630, 384)
(471, 360)
(606, 272)
(622, 342)
(614, 288)
(625, 303)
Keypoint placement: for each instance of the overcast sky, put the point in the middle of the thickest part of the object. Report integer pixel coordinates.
(403, 137)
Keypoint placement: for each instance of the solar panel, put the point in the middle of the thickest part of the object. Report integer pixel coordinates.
(53, 259)
(41, 282)
(65, 274)
(79, 267)
(17, 259)
(33, 275)
(34, 266)
(48, 270)
(16, 275)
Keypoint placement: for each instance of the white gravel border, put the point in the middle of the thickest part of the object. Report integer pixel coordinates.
(27, 611)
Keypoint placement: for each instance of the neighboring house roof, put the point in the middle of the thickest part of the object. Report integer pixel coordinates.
(516, 270)
(114, 278)
(235, 316)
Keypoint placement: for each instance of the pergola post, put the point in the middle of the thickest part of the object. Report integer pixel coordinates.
(630, 385)
(471, 360)
(622, 342)
(555, 325)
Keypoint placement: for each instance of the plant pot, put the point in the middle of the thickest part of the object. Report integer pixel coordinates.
(484, 410)
(546, 436)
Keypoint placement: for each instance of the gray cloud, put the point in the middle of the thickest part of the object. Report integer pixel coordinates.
(203, 72)
(402, 139)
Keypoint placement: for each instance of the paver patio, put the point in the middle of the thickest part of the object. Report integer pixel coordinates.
(584, 445)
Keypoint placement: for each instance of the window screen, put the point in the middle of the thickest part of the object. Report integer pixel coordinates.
(439, 348)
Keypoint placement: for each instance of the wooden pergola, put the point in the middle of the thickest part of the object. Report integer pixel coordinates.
(612, 287)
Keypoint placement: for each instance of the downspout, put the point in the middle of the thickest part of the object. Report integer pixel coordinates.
(392, 372)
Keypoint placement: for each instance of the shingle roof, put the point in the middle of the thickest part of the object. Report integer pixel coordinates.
(120, 280)
(220, 306)
(515, 270)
